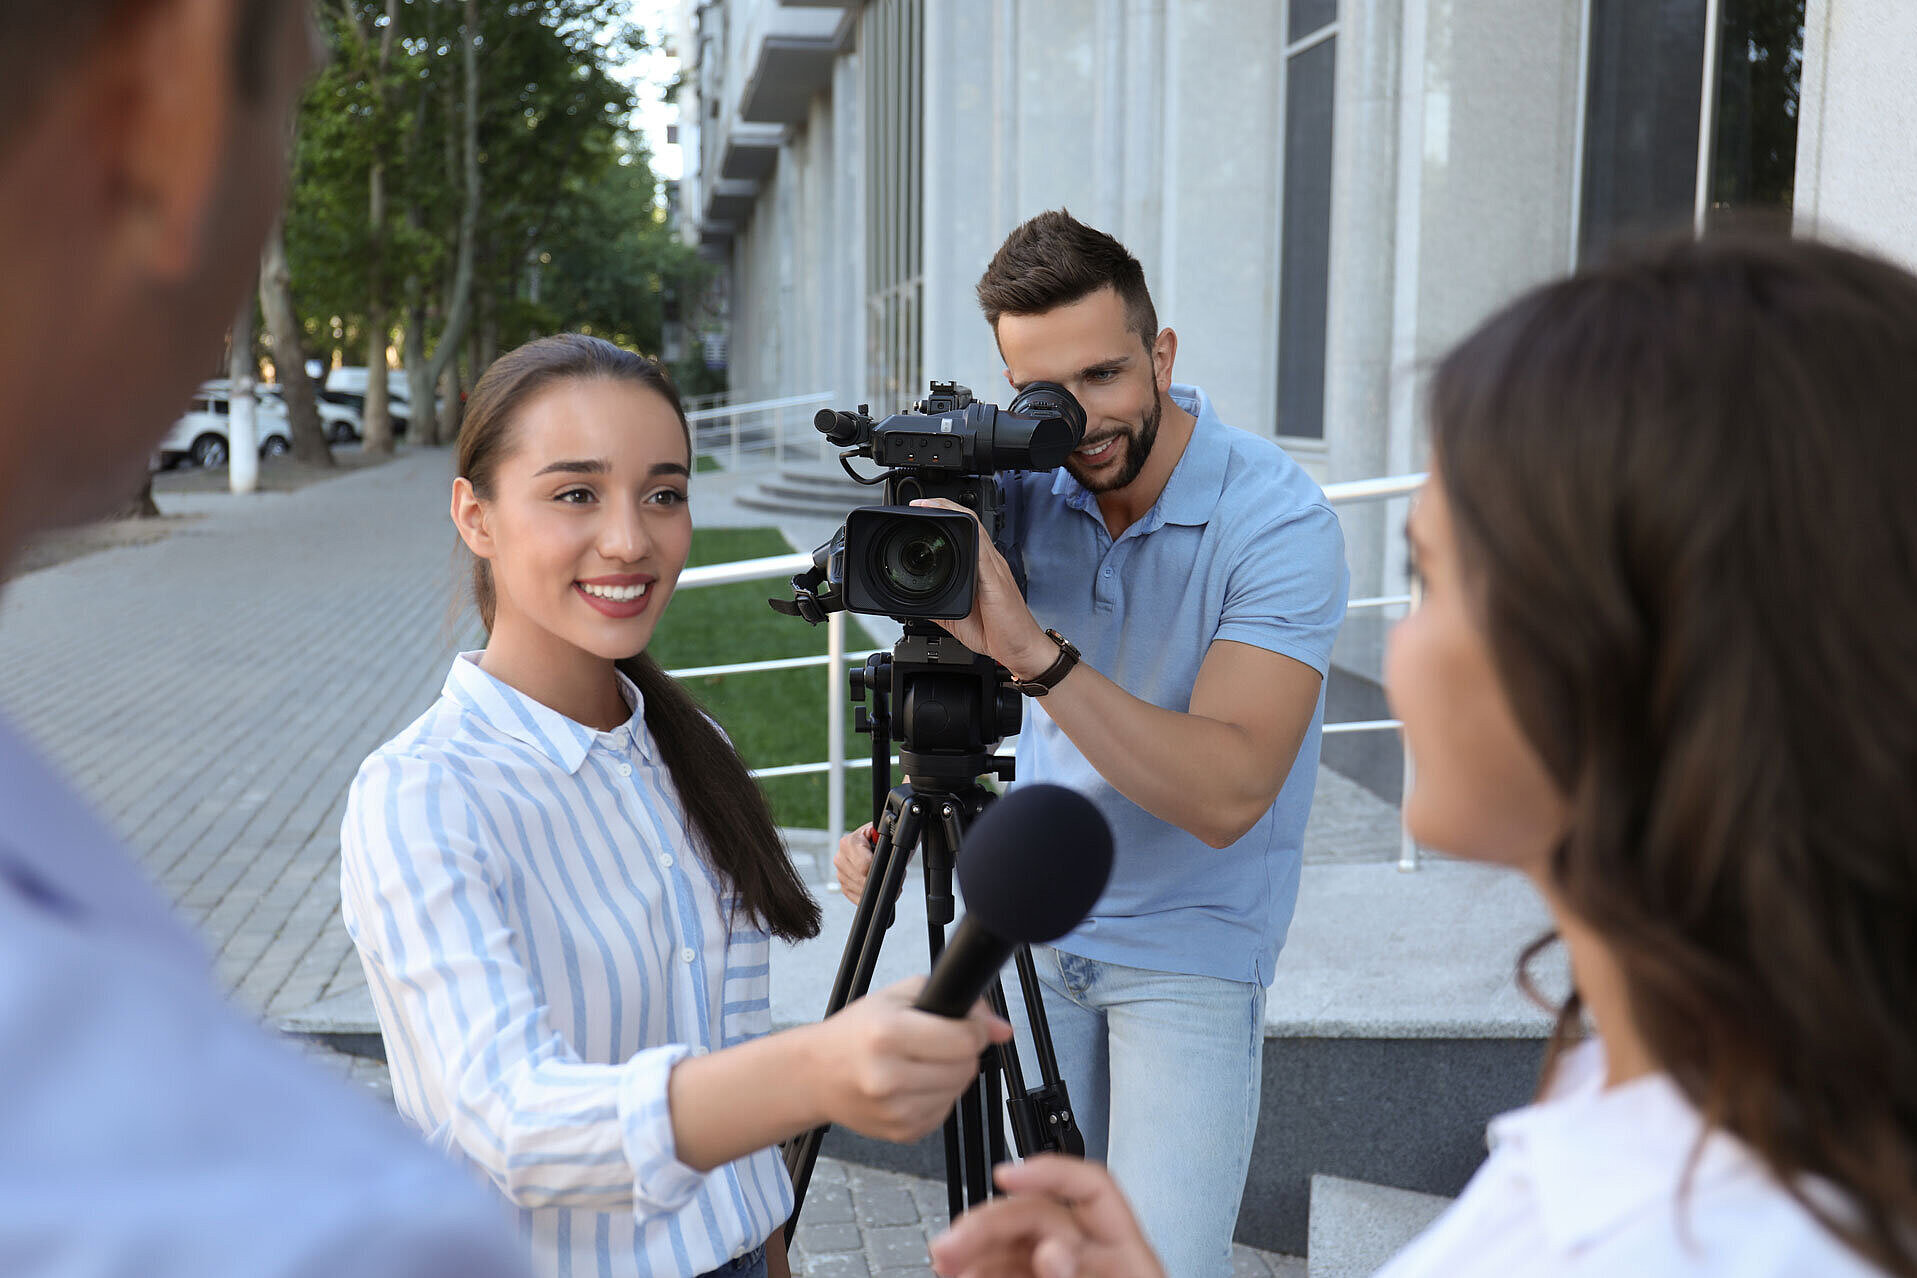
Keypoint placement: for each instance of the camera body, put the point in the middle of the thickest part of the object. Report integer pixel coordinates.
(912, 564)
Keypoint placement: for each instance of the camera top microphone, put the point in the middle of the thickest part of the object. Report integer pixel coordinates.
(843, 429)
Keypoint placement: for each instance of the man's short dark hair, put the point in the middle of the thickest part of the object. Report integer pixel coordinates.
(45, 39)
(1055, 260)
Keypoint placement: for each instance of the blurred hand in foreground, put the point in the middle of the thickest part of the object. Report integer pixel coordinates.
(1064, 1218)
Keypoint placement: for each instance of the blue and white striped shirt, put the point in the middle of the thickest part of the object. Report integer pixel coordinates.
(543, 945)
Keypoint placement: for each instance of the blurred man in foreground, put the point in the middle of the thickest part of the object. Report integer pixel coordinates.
(146, 1127)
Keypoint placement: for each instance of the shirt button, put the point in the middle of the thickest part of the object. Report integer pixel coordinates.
(688, 954)
(625, 769)
(666, 860)
(1108, 572)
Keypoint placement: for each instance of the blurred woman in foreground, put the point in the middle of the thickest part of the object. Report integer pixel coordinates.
(1665, 665)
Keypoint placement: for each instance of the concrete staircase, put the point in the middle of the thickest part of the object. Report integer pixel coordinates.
(809, 493)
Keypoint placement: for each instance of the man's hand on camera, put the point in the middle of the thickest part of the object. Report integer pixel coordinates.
(1000, 626)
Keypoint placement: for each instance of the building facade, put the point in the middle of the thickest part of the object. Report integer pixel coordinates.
(1325, 194)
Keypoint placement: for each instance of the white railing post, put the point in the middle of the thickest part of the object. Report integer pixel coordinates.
(1407, 846)
(835, 700)
(735, 443)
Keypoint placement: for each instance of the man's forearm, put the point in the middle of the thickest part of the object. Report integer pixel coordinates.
(1200, 774)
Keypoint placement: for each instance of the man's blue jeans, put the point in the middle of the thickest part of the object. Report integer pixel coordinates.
(1163, 1069)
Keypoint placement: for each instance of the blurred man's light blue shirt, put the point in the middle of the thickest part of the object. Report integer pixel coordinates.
(1240, 546)
(148, 1128)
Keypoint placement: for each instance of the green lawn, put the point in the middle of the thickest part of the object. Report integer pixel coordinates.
(774, 717)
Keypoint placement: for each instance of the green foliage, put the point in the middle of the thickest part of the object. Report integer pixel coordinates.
(571, 233)
(773, 717)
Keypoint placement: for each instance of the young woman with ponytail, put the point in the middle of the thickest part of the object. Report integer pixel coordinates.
(563, 883)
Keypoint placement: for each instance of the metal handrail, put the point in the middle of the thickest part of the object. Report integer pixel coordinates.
(835, 657)
(756, 406)
(762, 420)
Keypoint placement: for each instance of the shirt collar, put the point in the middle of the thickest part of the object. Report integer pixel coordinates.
(1197, 481)
(565, 741)
(1594, 1157)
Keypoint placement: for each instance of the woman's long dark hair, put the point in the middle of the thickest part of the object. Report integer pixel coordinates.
(1685, 486)
(726, 809)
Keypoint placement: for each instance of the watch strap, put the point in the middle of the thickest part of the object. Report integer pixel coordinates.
(1043, 682)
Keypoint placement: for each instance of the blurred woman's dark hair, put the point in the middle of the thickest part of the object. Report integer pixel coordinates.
(724, 805)
(1685, 491)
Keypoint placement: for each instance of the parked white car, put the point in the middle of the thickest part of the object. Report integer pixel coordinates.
(201, 433)
(339, 421)
(346, 387)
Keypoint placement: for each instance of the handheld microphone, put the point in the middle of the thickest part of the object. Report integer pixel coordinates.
(1031, 867)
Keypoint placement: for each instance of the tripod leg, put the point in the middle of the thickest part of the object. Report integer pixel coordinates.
(1035, 1015)
(994, 1120)
(898, 832)
(1042, 1117)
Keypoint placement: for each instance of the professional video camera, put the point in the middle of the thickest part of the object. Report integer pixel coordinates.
(900, 561)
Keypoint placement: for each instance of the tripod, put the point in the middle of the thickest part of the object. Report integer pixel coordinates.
(955, 707)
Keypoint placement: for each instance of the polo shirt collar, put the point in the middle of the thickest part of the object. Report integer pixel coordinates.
(1197, 481)
(1595, 1157)
(564, 741)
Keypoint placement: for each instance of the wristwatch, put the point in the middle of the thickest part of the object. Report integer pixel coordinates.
(1040, 684)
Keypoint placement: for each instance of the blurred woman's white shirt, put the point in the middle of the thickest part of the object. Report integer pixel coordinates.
(1610, 1181)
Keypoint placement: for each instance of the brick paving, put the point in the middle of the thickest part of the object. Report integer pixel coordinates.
(213, 693)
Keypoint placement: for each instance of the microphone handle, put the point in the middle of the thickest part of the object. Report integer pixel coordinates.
(968, 965)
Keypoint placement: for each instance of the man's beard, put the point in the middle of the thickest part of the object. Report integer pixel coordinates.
(1138, 450)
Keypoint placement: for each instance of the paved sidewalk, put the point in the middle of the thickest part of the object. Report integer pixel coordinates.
(215, 691)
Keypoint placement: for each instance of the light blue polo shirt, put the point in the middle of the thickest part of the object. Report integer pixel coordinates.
(1241, 545)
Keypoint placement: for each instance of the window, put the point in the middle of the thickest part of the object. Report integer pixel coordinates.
(1645, 110)
(893, 43)
(1760, 63)
(1304, 255)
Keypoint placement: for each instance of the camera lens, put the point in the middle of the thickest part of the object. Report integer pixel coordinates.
(916, 561)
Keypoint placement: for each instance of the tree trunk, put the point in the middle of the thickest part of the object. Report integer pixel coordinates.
(376, 424)
(488, 349)
(376, 421)
(424, 427)
(459, 306)
(289, 353)
(455, 410)
(140, 505)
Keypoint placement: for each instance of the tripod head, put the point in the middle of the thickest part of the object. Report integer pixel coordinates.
(949, 708)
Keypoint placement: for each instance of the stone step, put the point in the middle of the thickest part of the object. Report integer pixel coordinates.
(832, 480)
(1357, 1226)
(810, 508)
(842, 497)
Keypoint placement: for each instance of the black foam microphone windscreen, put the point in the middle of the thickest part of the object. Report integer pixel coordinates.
(1031, 868)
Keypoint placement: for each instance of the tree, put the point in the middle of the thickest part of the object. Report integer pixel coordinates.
(289, 353)
(477, 202)
(369, 73)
